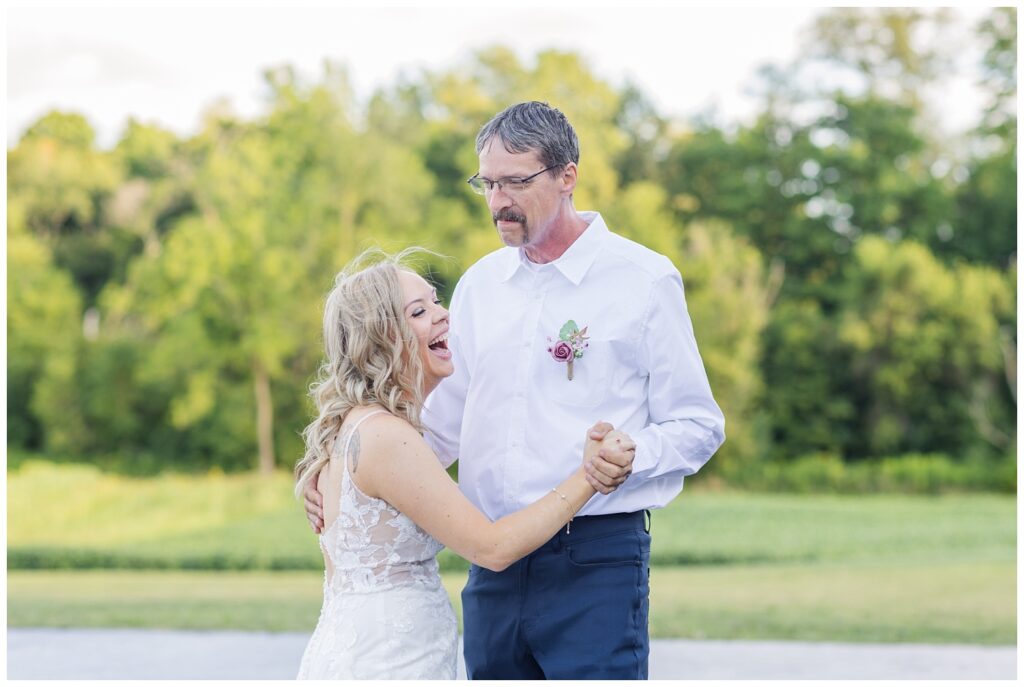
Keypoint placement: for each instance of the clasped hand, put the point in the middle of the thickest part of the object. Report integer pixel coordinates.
(607, 462)
(607, 457)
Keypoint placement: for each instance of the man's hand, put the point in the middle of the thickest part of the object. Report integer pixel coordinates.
(314, 502)
(613, 462)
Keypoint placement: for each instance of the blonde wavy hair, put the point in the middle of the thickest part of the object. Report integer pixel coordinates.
(372, 355)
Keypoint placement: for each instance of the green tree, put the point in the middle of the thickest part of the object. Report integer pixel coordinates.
(831, 249)
(985, 226)
(457, 103)
(63, 184)
(158, 186)
(232, 300)
(925, 352)
(805, 193)
(811, 406)
(44, 334)
(728, 296)
(998, 33)
(822, 169)
(647, 135)
(896, 51)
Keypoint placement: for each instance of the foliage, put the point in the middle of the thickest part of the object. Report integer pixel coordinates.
(728, 299)
(43, 337)
(897, 51)
(985, 202)
(998, 31)
(911, 474)
(807, 369)
(729, 304)
(62, 184)
(850, 275)
(919, 332)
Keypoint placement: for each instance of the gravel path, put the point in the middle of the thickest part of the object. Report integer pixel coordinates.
(167, 654)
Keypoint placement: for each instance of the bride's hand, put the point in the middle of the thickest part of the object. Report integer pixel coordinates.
(593, 443)
(608, 462)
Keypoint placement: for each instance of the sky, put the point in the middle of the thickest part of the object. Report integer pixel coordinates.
(166, 65)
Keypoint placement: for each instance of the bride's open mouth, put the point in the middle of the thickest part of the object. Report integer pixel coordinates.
(439, 347)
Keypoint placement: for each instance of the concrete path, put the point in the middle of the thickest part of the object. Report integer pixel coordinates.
(166, 654)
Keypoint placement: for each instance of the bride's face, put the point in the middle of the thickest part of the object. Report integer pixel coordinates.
(429, 322)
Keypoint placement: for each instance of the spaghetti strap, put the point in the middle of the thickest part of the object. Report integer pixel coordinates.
(352, 433)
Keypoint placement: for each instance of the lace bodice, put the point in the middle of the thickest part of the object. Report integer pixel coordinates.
(385, 613)
(370, 545)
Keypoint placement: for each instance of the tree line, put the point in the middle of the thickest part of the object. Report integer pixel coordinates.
(850, 273)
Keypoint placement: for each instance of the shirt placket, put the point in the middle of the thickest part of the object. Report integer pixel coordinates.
(533, 294)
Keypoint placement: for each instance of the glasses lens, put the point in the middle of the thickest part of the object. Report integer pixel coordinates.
(478, 185)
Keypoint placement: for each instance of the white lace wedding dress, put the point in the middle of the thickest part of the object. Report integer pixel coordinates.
(385, 614)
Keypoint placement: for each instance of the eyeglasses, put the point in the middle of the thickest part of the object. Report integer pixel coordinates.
(482, 185)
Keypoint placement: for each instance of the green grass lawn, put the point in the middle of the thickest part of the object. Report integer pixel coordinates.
(955, 603)
(726, 564)
(67, 514)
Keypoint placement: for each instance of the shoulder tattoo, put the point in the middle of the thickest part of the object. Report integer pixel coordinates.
(353, 450)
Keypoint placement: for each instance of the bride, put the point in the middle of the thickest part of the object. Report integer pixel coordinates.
(389, 505)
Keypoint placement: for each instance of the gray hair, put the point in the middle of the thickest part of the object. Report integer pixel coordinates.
(533, 127)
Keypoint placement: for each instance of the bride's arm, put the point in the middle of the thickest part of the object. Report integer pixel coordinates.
(398, 466)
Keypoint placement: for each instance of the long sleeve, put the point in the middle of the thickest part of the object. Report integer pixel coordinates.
(516, 422)
(686, 425)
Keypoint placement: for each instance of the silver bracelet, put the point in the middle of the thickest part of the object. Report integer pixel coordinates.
(568, 524)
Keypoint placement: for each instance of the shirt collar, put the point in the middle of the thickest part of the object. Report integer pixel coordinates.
(576, 260)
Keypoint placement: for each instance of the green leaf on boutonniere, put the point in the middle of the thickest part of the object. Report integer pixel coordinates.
(567, 331)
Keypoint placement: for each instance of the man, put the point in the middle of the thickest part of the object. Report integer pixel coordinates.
(568, 324)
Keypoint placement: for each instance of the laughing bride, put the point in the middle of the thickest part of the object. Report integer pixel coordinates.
(389, 504)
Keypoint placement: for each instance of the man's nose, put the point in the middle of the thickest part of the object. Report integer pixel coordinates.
(497, 200)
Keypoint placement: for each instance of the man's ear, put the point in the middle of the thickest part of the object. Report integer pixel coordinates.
(569, 178)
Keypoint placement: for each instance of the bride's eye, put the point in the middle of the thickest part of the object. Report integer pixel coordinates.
(417, 312)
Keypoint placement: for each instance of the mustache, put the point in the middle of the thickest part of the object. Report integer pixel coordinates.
(508, 215)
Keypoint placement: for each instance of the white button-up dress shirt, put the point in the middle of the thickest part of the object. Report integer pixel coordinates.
(514, 420)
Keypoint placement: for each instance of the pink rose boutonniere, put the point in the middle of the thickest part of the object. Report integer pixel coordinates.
(572, 341)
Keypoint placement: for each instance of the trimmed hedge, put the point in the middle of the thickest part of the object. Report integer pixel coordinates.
(909, 474)
(40, 558)
(52, 558)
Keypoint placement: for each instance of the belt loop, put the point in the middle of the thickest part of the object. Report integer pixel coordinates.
(647, 521)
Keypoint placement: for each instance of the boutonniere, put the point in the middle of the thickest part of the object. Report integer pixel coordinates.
(572, 341)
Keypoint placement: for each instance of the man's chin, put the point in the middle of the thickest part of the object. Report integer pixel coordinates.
(512, 234)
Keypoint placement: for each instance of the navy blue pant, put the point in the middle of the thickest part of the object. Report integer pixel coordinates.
(576, 608)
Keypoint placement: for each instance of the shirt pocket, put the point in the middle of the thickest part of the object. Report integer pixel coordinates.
(590, 381)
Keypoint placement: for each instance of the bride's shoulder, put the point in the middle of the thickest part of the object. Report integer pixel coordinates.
(382, 429)
(386, 445)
